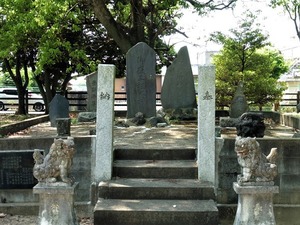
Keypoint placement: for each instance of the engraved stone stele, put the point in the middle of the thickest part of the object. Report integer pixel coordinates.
(238, 104)
(255, 186)
(55, 188)
(178, 89)
(58, 108)
(141, 80)
(91, 85)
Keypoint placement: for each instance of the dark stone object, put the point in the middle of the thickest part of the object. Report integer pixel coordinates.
(251, 124)
(238, 104)
(63, 126)
(178, 90)
(16, 169)
(87, 117)
(58, 108)
(141, 80)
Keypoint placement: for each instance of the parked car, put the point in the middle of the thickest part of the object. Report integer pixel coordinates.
(9, 96)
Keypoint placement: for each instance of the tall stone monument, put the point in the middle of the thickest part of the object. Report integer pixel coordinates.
(91, 85)
(178, 89)
(141, 80)
(238, 104)
(58, 108)
(255, 186)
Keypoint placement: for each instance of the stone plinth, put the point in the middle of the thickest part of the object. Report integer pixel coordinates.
(63, 126)
(56, 204)
(255, 204)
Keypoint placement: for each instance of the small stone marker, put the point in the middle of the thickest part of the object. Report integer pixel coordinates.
(178, 90)
(58, 108)
(141, 80)
(63, 126)
(16, 169)
(91, 84)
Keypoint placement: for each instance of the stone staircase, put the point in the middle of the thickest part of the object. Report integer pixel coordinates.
(155, 187)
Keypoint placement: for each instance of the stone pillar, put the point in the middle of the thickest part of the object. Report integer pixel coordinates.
(103, 154)
(63, 126)
(206, 124)
(56, 204)
(255, 204)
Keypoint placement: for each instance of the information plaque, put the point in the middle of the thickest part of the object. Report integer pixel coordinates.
(16, 168)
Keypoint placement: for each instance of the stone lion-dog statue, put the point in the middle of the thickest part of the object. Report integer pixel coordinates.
(55, 166)
(256, 167)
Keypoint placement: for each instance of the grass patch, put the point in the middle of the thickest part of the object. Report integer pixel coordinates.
(12, 118)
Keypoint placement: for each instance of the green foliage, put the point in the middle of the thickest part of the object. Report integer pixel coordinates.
(246, 58)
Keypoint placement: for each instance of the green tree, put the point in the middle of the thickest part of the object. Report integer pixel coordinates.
(49, 37)
(131, 21)
(292, 8)
(245, 57)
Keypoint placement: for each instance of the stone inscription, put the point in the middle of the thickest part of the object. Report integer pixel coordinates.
(207, 96)
(104, 95)
(16, 169)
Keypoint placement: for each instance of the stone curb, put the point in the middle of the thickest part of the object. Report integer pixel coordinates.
(12, 128)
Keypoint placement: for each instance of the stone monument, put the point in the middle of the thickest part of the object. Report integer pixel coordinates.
(255, 186)
(178, 90)
(91, 85)
(58, 108)
(141, 80)
(238, 104)
(55, 188)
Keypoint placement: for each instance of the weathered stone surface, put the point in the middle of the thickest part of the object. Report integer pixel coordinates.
(251, 124)
(178, 89)
(63, 126)
(91, 85)
(141, 80)
(239, 103)
(87, 117)
(56, 204)
(58, 108)
(255, 205)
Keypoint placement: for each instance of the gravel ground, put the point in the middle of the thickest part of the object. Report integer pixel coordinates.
(6, 219)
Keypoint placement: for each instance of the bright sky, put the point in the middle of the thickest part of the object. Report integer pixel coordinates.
(274, 22)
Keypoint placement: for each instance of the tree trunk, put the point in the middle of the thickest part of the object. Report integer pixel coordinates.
(113, 28)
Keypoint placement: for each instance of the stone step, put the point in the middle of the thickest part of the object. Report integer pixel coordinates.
(155, 154)
(155, 212)
(156, 189)
(168, 169)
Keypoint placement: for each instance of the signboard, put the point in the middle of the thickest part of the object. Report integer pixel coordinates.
(16, 169)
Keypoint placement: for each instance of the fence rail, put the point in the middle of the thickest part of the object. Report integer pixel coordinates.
(78, 99)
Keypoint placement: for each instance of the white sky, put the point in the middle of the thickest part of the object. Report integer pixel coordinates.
(274, 22)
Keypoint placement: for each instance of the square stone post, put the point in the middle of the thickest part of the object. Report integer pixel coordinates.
(103, 154)
(206, 124)
(56, 204)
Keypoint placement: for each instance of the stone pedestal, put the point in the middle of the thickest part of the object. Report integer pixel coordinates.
(255, 204)
(56, 204)
(63, 126)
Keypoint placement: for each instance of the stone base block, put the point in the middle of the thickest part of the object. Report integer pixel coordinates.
(56, 204)
(255, 204)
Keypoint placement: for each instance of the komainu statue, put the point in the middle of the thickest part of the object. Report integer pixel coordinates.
(256, 167)
(55, 166)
